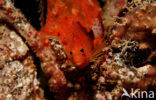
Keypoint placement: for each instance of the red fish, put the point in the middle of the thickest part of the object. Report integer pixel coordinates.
(71, 21)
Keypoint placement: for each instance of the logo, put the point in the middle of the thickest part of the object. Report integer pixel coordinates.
(138, 94)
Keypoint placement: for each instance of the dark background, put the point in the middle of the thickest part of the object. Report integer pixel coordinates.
(31, 10)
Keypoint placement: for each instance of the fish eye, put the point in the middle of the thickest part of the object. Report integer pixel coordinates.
(71, 52)
(82, 50)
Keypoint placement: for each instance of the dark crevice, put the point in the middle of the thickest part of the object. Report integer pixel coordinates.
(31, 10)
(101, 3)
